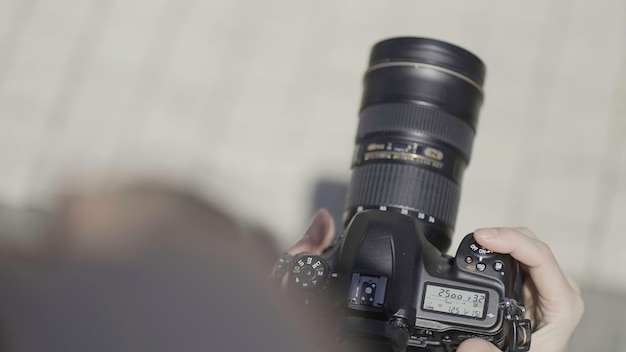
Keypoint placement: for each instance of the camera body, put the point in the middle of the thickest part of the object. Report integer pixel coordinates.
(391, 289)
(387, 283)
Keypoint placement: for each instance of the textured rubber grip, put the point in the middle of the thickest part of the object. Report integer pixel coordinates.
(405, 186)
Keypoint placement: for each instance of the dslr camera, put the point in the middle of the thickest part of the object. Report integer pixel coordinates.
(386, 283)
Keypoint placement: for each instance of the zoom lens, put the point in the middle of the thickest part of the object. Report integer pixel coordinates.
(416, 128)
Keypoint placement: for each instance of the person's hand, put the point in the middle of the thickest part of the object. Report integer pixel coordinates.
(553, 301)
(318, 236)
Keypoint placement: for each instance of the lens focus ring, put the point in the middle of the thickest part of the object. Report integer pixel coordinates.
(404, 186)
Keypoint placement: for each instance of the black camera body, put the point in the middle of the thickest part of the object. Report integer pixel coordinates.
(391, 289)
(387, 282)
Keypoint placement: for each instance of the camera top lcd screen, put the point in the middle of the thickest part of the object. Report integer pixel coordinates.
(456, 301)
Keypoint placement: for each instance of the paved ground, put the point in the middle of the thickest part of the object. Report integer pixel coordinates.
(253, 103)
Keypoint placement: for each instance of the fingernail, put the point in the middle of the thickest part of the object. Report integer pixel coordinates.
(486, 234)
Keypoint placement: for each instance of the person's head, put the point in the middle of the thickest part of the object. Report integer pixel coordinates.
(146, 268)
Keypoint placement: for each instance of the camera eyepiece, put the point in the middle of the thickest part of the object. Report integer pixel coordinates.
(417, 124)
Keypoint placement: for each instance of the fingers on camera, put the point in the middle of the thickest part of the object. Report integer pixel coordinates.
(318, 236)
(523, 245)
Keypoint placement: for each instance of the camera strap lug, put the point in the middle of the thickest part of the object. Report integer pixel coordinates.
(519, 328)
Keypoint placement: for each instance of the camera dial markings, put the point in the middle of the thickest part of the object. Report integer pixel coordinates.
(310, 271)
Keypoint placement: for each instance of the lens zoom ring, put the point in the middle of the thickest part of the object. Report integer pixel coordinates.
(398, 117)
(401, 185)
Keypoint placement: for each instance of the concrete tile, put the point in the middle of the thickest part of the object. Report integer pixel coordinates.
(606, 235)
(38, 62)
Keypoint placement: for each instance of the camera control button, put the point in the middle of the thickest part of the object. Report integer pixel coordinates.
(481, 266)
(498, 265)
(480, 250)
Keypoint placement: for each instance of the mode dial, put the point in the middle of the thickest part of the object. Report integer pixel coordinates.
(309, 271)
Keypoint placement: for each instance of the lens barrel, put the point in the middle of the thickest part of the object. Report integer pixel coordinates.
(417, 124)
